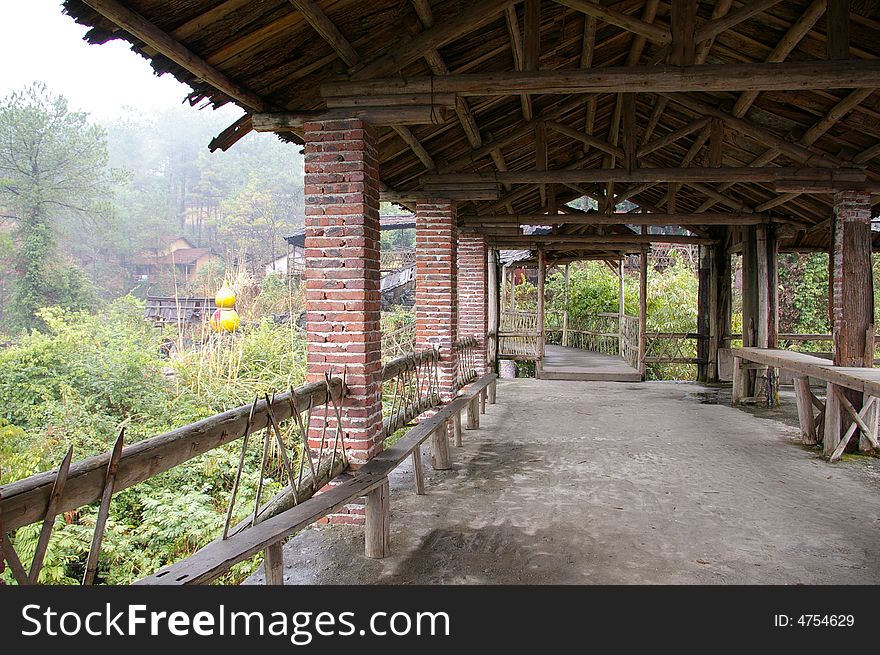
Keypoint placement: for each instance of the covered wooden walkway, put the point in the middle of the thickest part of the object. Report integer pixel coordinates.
(563, 363)
(603, 483)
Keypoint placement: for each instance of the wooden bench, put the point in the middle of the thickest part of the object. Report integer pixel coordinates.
(825, 424)
(370, 481)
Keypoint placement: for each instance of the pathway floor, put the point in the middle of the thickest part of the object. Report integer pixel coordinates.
(587, 482)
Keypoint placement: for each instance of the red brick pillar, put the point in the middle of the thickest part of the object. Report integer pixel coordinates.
(472, 296)
(436, 289)
(342, 277)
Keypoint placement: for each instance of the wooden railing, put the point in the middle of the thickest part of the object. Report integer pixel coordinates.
(466, 360)
(44, 496)
(672, 348)
(409, 388)
(392, 260)
(518, 336)
(629, 340)
(399, 342)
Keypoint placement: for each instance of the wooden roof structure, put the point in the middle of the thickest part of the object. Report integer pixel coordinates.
(705, 114)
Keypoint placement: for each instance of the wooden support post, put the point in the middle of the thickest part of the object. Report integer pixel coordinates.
(852, 285)
(542, 270)
(714, 316)
(493, 391)
(643, 308)
(456, 422)
(621, 306)
(418, 473)
(704, 317)
(749, 299)
(805, 410)
(567, 298)
(377, 528)
(833, 427)
(493, 312)
(273, 563)
(473, 414)
(440, 459)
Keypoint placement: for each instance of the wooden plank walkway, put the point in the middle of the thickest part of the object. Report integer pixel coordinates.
(561, 363)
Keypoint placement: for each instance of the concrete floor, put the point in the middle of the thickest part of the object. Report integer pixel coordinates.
(614, 483)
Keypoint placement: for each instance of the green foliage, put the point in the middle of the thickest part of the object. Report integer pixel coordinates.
(89, 374)
(803, 294)
(53, 169)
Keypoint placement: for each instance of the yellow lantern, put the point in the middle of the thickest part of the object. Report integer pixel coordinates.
(225, 320)
(225, 298)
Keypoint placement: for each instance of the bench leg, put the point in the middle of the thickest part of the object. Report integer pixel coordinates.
(473, 414)
(738, 392)
(832, 421)
(456, 429)
(274, 564)
(440, 459)
(805, 410)
(493, 390)
(377, 528)
(417, 470)
(483, 395)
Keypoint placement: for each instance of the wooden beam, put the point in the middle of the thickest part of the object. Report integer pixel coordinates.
(398, 115)
(715, 27)
(785, 76)
(630, 134)
(532, 35)
(683, 24)
(784, 48)
(837, 21)
(516, 46)
(654, 33)
(478, 14)
(600, 144)
(328, 31)
(672, 137)
(411, 140)
(616, 219)
(758, 133)
(139, 27)
(716, 143)
(774, 174)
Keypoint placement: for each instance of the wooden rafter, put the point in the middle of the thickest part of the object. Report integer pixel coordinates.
(328, 30)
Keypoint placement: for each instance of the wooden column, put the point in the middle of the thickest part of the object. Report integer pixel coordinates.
(567, 299)
(643, 309)
(749, 301)
(852, 291)
(719, 306)
(542, 271)
(704, 313)
(493, 309)
(621, 305)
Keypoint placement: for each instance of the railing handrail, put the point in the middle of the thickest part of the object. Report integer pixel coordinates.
(26, 501)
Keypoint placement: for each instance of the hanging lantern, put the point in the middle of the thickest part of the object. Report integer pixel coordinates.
(225, 318)
(225, 298)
